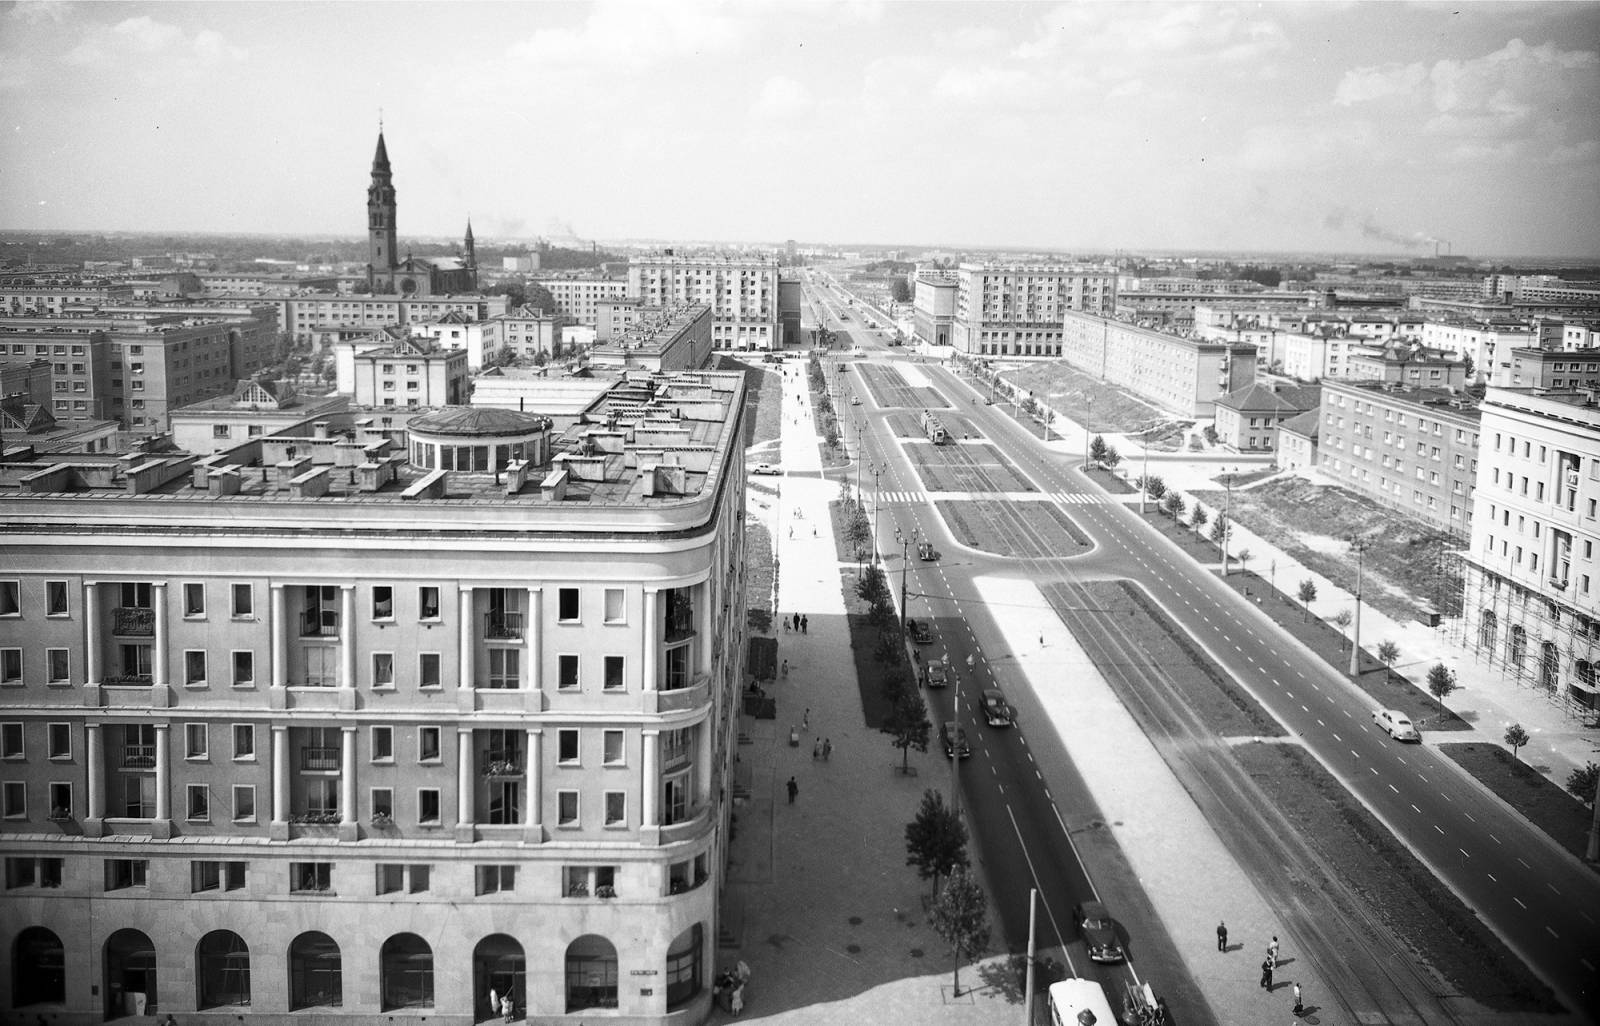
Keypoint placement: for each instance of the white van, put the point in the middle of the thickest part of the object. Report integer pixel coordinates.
(1080, 1003)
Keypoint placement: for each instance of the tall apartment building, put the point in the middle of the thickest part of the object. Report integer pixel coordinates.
(742, 292)
(362, 728)
(1487, 344)
(526, 332)
(579, 297)
(1178, 373)
(1411, 449)
(1532, 582)
(933, 306)
(1017, 309)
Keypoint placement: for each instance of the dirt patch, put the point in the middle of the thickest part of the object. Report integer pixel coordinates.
(1540, 800)
(1018, 529)
(1068, 390)
(1398, 890)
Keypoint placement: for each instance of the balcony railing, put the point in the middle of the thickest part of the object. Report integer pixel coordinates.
(319, 623)
(142, 680)
(133, 622)
(502, 626)
(138, 756)
(319, 758)
(502, 762)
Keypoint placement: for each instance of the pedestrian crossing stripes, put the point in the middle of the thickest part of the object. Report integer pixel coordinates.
(1065, 498)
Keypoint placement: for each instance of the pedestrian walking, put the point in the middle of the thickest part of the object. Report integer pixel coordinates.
(494, 1002)
(1299, 1005)
(1272, 951)
(805, 624)
(786, 625)
(786, 668)
(827, 749)
(816, 750)
(797, 621)
(1222, 936)
(1266, 963)
(507, 1008)
(805, 721)
(794, 789)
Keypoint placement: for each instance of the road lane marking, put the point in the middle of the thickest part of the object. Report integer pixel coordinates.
(1463, 852)
(1416, 810)
(1492, 877)
(1524, 864)
(1495, 839)
(1519, 903)
(1396, 790)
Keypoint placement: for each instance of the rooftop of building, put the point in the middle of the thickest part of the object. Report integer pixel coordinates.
(1458, 403)
(1051, 268)
(655, 331)
(1262, 398)
(1306, 424)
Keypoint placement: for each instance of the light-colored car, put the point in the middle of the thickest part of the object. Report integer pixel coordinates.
(996, 710)
(926, 552)
(938, 675)
(954, 739)
(1396, 723)
(855, 400)
(766, 468)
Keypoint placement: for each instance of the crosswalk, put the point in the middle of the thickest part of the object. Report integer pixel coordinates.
(1064, 498)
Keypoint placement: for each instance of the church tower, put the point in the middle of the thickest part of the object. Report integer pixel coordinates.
(470, 257)
(382, 245)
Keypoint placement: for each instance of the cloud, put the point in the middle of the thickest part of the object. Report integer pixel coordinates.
(40, 12)
(781, 98)
(631, 37)
(1363, 85)
(144, 36)
(1148, 33)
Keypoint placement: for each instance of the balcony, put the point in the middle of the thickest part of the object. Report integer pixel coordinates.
(133, 622)
(502, 626)
(138, 756)
(501, 762)
(319, 623)
(319, 758)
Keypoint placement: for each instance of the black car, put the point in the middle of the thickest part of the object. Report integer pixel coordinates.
(1099, 932)
(918, 629)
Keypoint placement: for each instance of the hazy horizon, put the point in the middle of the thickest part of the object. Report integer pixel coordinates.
(1335, 129)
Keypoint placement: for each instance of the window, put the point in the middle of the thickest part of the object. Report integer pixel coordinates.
(199, 803)
(616, 808)
(428, 744)
(244, 669)
(382, 602)
(496, 879)
(244, 742)
(28, 871)
(383, 669)
(205, 875)
(567, 672)
(10, 666)
(567, 605)
(10, 598)
(310, 877)
(55, 598)
(428, 805)
(196, 741)
(567, 747)
(244, 602)
(615, 610)
(567, 808)
(60, 800)
(382, 803)
(382, 740)
(194, 666)
(505, 668)
(58, 740)
(613, 748)
(12, 741)
(125, 873)
(428, 603)
(428, 670)
(57, 665)
(14, 800)
(244, 803)
(613, 673)
(401, 878)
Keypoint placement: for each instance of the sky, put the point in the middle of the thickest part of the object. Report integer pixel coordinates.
(1312, 127)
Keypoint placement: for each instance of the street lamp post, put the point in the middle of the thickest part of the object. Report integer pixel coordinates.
(905, 565)
(876, 502)
(1227, 519)
(1355, 635)
(1144, 479)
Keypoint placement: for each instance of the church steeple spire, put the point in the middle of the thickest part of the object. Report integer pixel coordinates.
(471, 255)
(382, 242)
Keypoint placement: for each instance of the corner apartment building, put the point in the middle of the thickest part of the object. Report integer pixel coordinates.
(933, 306)
(1017, 309)
(412, 372)
(1180, 374)
(579, 297)
(322, 729)
(742, 292)
(1532, 583)
(1414, 450)
(526, 332)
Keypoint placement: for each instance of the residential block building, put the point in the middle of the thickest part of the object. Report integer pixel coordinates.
(742, 292)
(366, 726)
(660, 340)
(412, 371)
(1017, 309)
(1550, 368)
(1247, 419)
(933, 306)
(1180, 374)
(579, 296)
(1532, 582)
(1487, 344)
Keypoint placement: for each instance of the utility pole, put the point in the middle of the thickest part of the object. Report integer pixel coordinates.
(1355, 635)
(1227, 521)
(1027, 985)
(876, 502)
(905, 562)
(1145, 483)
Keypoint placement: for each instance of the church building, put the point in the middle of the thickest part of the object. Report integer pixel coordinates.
(387, 273)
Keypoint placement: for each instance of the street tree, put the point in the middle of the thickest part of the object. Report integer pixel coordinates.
(1173, 504)
(1388, 655)
(1342, 620)
(1111, 457)
(1097, 449)
(1198, 518)
(960, 915)
(936, 841)
(1244, 556)
(907, 723)
(1307, 595)
(1153, 486)
(1220, 528)
(1581, 783)
(1441, 681)
(1515, 738)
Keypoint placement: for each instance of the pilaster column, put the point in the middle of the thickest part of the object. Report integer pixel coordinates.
(96, 745)
(465, 785)
(652, 636)
(468, 641)
(347, 636)
(347, 776)
(163, 775)
(702, 639)
(279, 627)
(535, 782)
(533, 639)
(280, 775)
(93, 644)
(701, 756)
(158, 654)
(650, 780)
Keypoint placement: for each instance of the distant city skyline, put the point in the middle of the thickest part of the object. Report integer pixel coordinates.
(1365, 128)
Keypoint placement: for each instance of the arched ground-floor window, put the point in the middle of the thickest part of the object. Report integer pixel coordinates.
(130, 964)
(222, 970)
(405, 972)
(316, 977)
(591, 973)
(499, 970)
(38, 968)
(684, 971)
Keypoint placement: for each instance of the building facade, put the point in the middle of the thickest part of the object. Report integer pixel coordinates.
(579, 297)
(933, 306)
(1247, 420)
(404, 735)
(1017, 309)
(1180, 374)
(415, 371)
(1530, 593)
(742, 292)
(660, 340)
(1551, 368)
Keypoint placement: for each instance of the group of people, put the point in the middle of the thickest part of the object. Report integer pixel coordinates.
(1269, 965)
(823, 749)
(501, 1004)
(729, 987)
(797, 623)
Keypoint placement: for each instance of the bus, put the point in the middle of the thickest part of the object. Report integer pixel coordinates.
(1080, 1003)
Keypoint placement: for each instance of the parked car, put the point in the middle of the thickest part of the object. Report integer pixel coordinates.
(918, 629)
(954, 739)
(996, 709)
(766, 468)
(938, 675)
(855, 400)
(926, 552)
(1099, 932)
(1396, 723)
